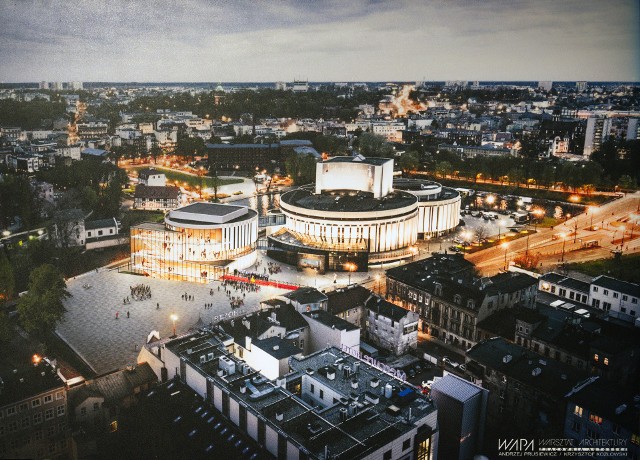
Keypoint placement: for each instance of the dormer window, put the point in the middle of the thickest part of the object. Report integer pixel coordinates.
(470, 304)
(457, 299)
(438, 289)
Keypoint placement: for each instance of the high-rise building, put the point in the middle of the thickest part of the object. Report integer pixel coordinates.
(581, 86)
(44, 85)
(545, 85)
(596, 133)
(462, 410)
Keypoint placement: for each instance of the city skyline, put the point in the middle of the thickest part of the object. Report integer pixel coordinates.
(320, 41)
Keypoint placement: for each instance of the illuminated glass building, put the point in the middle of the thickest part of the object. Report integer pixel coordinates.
(198, 242)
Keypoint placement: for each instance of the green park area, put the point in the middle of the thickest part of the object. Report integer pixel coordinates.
(191, 180)
(624, 267)
(593, 199)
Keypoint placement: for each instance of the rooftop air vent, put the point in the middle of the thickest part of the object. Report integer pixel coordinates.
(279, 416)
(507, 359)
(536, 372)
(620, 409)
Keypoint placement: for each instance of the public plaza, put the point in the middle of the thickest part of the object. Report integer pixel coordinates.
(90, 326)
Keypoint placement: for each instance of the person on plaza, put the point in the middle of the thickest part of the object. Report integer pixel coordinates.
(117, 313)
(127, 313)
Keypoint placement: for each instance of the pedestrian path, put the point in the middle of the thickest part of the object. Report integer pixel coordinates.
(106, 343)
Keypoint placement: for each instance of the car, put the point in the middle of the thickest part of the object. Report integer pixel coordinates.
(418, 368)
(446, 360)
(411, 373)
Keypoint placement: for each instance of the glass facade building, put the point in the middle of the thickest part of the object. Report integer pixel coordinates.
(198, 242)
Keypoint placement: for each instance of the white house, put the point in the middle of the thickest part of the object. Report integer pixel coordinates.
(617, 297)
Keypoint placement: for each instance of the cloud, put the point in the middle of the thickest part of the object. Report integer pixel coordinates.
(198, 40)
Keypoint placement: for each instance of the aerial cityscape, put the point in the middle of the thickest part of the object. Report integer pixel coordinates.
(320, 230)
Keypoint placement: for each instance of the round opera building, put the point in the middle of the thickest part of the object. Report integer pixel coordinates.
(350, 219)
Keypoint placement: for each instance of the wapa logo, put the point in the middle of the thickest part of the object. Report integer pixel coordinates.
(508, 446)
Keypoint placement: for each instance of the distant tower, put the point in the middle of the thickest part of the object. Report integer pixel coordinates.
(44, 85)
(581, 86)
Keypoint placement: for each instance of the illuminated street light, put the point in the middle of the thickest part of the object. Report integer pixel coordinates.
(491, 199)
(564, 241)
(592, 210)
(174, 318)
(506, 247)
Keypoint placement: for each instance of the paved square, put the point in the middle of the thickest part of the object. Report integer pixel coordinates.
(90, 326)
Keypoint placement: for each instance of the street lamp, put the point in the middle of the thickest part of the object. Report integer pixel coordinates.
(506, 247)
(174, 318)
(564, 241)
(466, 236)
(350, 266)
(592, 210)
(490, 200)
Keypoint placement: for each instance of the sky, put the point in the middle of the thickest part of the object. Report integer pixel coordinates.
(319, 40)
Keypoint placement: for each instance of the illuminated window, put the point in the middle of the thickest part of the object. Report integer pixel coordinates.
(113, 427)
(48, 399)
(635, 438)
(595, 419)
(578, 411)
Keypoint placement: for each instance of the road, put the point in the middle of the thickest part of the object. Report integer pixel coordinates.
(611, 220)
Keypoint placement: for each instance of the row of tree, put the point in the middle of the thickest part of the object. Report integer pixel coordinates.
(41, 307)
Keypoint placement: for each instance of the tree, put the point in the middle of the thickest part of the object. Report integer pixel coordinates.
(41, 308)
(190, 147)
(409, 161)
(443, 168)
(7, 280)
(374, 145)
(301, 168)
(626, 182)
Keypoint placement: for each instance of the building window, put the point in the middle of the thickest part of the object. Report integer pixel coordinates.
(48, 414)
(37, 418)
(35, 403)
(12, 427)
(59, 395)
(25, 422)
(60, 410)
(615, 295)
(575, 426)
(592, 434)
(11, 411)
(595, 419)
(83, 411)
(386, 455)
(595, 288)
(406, 444)
(577, 411)
(605, 292)
(634, 300)
(48, 399)
(625, 298)
(113, 427)
(321, 394)
(313, 388)
(24, 407)
(615, 428)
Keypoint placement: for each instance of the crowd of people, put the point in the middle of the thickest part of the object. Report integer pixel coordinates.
(139, 292)
(273, 268)
(251, 275)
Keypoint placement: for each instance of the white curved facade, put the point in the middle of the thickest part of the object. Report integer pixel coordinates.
(377, 232)
(438, 206)
(198, 242)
